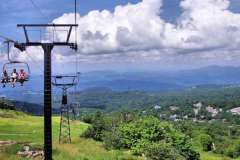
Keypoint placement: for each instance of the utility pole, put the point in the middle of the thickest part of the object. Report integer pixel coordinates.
(47, 47)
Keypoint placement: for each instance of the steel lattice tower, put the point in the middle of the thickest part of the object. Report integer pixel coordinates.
(64, 131)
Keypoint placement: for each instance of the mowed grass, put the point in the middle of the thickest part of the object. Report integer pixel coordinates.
(25, 129)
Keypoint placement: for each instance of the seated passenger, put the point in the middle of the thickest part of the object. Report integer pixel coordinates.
(4, 78)
(14, 77)
(22, 77)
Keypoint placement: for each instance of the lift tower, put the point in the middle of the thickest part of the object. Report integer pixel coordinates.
(64, 83)
(47, 47)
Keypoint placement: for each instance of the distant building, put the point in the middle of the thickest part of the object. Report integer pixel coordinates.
(173, 108)
(235, 111)
(212, 110)
(185, 117)
(157, 107)
(173, 117)
(198, 105)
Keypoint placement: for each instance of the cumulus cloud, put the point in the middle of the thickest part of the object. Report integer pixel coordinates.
(206, 25)
(207, 31)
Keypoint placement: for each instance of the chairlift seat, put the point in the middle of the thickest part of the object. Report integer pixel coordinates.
(9, 66)
(64, 80)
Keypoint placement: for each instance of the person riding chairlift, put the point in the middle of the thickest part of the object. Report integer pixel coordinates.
(14, 77)
(22, 77)
(4, 78)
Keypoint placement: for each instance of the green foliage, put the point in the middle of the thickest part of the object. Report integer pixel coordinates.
(206, 142)
(113, 139)
(87, 118)
(145, 136)
(185, 127)
(96, 130)
(6, 105)
(162, 151)
(233, 152)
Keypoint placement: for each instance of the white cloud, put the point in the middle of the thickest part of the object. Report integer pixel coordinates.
(136, 32)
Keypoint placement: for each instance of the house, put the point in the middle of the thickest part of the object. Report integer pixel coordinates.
(173, 108)
(212, 110)
(157, 107)
(235, 111)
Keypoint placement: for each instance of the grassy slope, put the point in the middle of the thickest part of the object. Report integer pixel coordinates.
(28, 129)
(20, 127)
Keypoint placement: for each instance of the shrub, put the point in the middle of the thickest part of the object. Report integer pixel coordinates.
(206, 142)
(233, 152)
(96, 130)
(183, 145)
(150, 132)
(113, 140)
(87, 118)
(162, 151)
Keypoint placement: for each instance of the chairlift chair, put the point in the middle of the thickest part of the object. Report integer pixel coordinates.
(64, 81)
(18, 65)
(9, 66)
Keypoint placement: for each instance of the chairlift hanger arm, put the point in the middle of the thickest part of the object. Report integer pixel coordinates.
(64, 76)
(22, 46)
(47, 25)
(66, 43)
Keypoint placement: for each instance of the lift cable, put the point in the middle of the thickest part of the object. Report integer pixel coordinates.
(39, 10)
(76, 53)
(42, 14)
(6, 38)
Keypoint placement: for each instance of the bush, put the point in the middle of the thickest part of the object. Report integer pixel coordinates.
(150, 132)
(233, 152)
(87, 118)
(97, 129)
(206, 142)
(162, 151)
(183, 145)
(113, 140)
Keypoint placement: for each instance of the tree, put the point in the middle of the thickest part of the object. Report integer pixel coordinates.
(96, 130)
(206, 142)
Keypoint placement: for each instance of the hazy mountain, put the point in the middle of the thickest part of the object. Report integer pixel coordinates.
(32, 91)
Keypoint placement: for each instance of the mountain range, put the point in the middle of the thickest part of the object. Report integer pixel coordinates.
(32, 91)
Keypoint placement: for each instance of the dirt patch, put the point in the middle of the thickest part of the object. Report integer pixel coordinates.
(7, 143)
(27, 153)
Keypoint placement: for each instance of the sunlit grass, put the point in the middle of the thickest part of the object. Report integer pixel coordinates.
(23, 128)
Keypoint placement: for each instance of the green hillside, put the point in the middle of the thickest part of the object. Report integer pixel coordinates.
(25, 129)
(28, 130)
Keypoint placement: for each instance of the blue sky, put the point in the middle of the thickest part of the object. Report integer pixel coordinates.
(13, 12)
(130, 38)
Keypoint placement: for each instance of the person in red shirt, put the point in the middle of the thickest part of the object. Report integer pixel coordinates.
(22, 76)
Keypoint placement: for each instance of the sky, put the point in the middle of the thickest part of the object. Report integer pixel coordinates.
(129, 35)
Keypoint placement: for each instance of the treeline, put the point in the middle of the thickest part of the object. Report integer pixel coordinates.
(225, 97)
(7, 105)
(221, 97)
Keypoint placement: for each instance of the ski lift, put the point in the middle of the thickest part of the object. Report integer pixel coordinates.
(11, 65)
(66, 81)
(22, 68)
